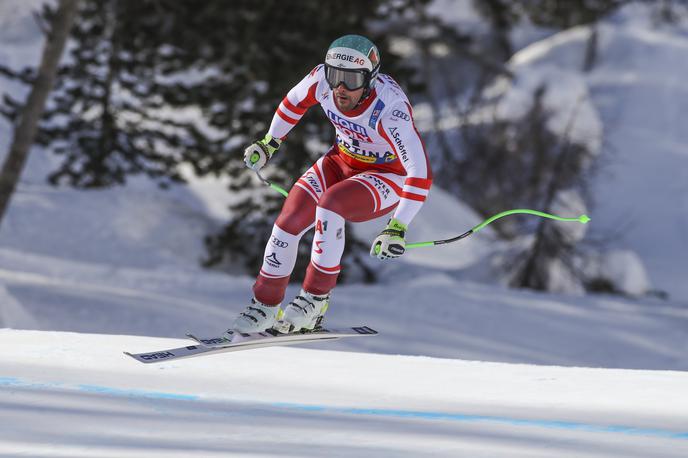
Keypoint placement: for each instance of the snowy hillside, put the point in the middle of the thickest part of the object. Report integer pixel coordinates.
(431, 315)
(640, 195)
(77, 395)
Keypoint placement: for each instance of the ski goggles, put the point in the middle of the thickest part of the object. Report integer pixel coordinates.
(351, 79)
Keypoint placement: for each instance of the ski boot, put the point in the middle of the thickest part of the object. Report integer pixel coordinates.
(305, 313)
(257, 317)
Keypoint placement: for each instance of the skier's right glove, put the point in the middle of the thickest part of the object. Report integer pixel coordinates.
(390, 243)
(258, 153)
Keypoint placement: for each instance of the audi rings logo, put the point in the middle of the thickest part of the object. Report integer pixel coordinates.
(279, 243)
(401, 115)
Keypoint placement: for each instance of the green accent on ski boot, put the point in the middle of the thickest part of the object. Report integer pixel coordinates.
(318, 321)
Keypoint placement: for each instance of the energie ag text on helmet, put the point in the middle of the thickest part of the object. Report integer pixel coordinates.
(345, 57)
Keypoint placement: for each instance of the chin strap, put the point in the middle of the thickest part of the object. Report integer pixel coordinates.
(368, 90)
(364, 97)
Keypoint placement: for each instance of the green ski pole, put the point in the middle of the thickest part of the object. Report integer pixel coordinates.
(583, 219)
(271, 185)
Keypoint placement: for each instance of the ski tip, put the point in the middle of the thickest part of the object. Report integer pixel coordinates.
(365, 330)
(131, 355)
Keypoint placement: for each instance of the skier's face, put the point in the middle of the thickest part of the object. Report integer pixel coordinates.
(345, 99)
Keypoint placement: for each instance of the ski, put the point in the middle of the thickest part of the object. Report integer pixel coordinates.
(247, 342)
(233, 338)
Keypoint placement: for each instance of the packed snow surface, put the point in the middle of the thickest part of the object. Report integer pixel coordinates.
(66, 394)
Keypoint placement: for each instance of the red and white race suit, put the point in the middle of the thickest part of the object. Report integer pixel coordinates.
(377, 165)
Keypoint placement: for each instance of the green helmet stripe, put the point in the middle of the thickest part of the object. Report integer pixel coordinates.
(357, 42)
(361, 44)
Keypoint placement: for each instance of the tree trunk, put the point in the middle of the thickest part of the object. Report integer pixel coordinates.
(591, 49)
(25, 130)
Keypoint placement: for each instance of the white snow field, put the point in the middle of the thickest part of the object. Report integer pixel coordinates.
(77, 395)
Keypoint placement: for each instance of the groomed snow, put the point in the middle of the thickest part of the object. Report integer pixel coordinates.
(66, 394)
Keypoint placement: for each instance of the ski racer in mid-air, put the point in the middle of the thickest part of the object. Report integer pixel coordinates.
(377, 166)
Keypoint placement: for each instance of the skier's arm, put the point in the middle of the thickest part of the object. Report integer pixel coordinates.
(288, 114)
(400, 132)
(294, 105)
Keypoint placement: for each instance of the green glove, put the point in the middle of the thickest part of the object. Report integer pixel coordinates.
(258, 153)
(390, 243)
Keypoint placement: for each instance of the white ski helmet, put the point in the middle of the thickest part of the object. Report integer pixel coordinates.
(352, 60)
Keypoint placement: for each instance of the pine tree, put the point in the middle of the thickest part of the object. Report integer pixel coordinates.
(522, 163)
(566, 14)
(121, 116)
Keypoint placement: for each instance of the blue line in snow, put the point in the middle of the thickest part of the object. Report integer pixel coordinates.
(130, 393)
(552, 424)
(12, 382)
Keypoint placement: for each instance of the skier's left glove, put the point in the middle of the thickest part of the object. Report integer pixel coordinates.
(390, 243)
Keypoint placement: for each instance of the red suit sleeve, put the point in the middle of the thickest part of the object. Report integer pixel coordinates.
(296, 103)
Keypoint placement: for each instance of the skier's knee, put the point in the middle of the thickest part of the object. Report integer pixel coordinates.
(297, 213)
(335, 202)
(291, 222)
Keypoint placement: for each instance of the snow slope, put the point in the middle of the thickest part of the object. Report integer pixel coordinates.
(77, 395)
(641, 193)
(431, 315)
